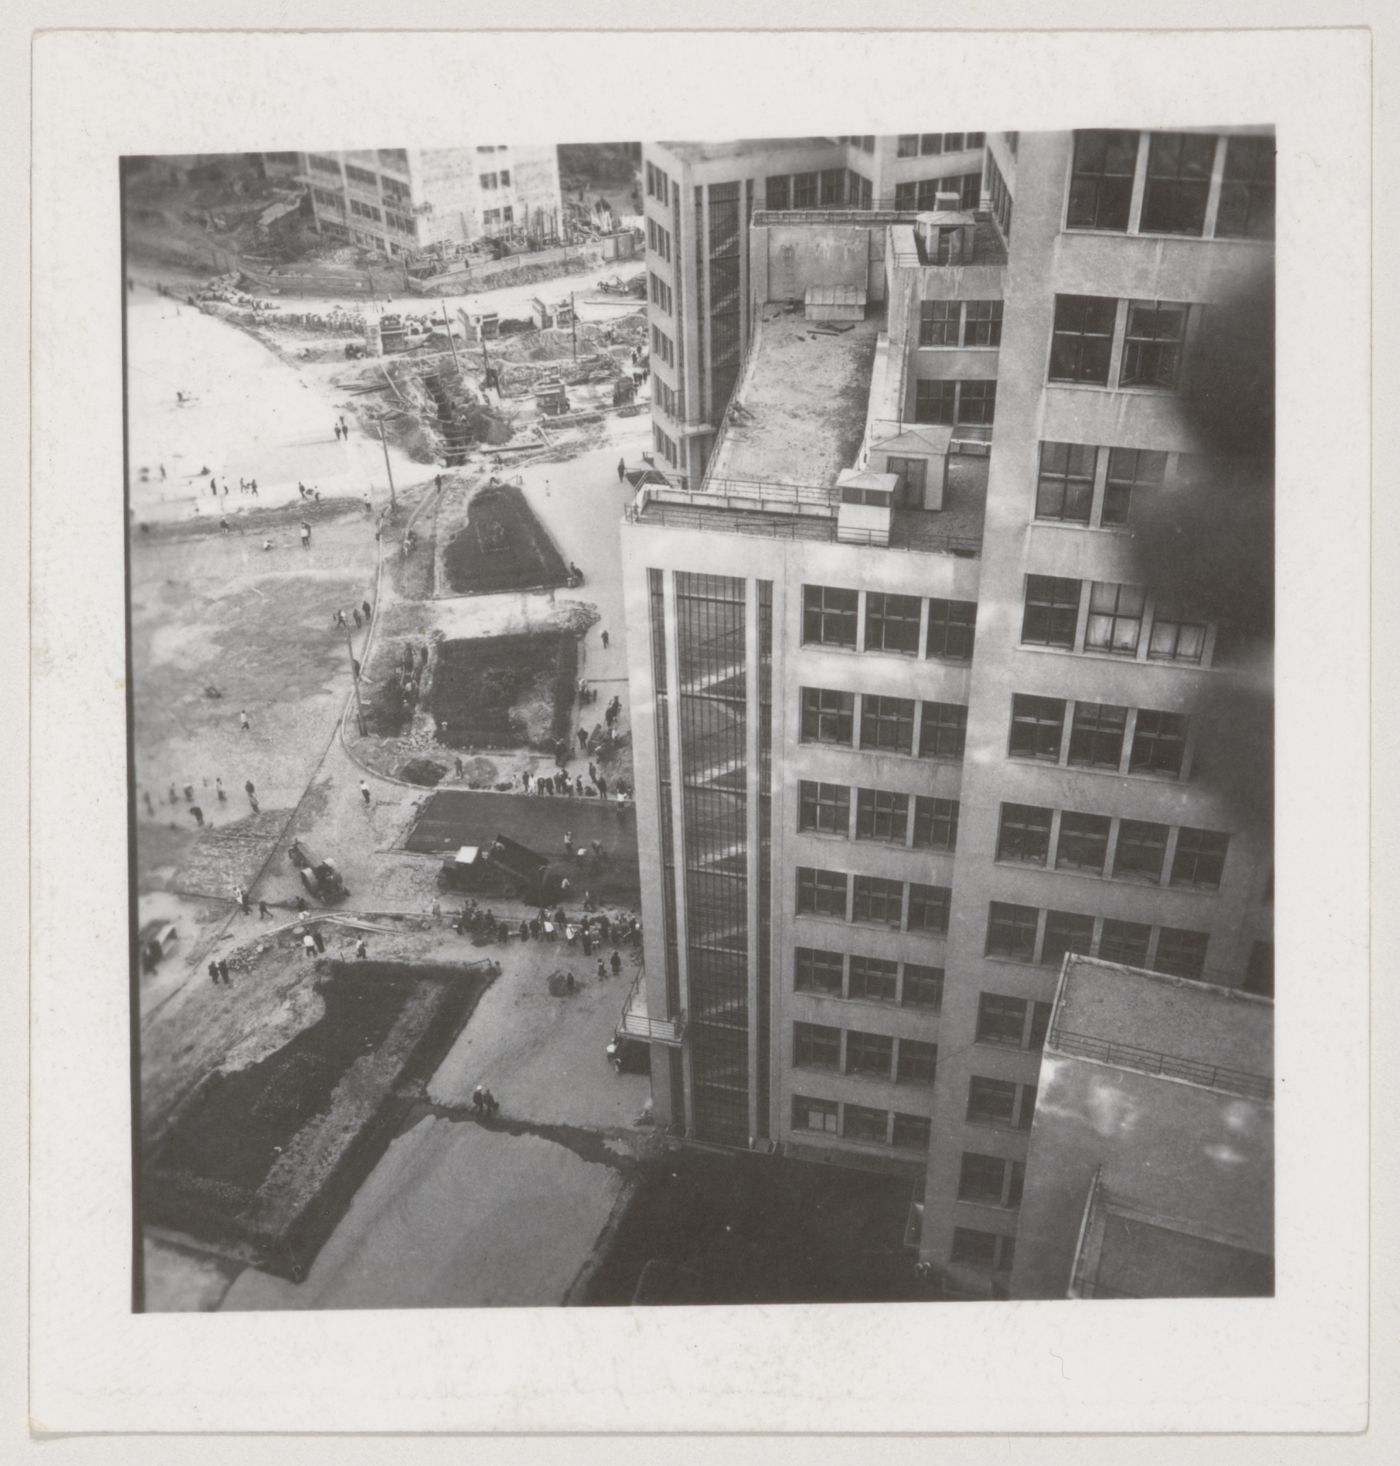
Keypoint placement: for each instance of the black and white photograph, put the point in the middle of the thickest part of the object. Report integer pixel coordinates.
(702, 719)
(678, 748)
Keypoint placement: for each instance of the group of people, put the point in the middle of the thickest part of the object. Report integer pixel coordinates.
(342, 429)
(484, 1103)
(561, 785)
(196, 811)
(361, 616)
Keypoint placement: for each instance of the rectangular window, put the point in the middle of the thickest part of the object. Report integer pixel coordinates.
(1247, 190)
(1065, 489)
(1181, 953)
(488, 180)
(816, 1046)
(952, 627)
(912, 1132)
(1178, 183)
(930, 143)
(1001, 1020)
(918, 1062)
(1158, 743)
(935, 402)
(939, 322)
(814, 1114)
(1066, 931)
(929, 907)
(907, 145)
(953, 142)
(935, 823)
(1142, 847)
(887, 724)
(1115, 618)
(863, 1123)
(989, 1250)
(943, 731)
(1152, 345)
(977, 401)
(833, 187)
(1000, 1102)
(869, 1053)
(878, 900)
(1011, 931)
(976, 139)
(982, 324)
(815, 971)
(990, 1180)
(1024, 835)
(821, 892)
(1052, 611)
(923, 986)
(1083, 843)
(881, 815)
(827, 717)
(1199, 861)
(804, 190)
(1126, 942)
(1101, 184)
(829, 615)
(874, 980)
(777, 193)
(825, 808)
(1130, 469)
(505, 177)
(1037, 726)
(1175, 637)
(1083, 338)
(1096, 735)
(892, 623)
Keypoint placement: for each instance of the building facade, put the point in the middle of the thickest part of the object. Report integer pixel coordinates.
(933, 557)
(402, 201)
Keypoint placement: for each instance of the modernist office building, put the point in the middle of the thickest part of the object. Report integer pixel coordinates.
(700, 296)
(933, 677)
(401, 200)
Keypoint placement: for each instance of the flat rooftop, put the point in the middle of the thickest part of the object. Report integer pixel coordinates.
(709, 152)
(1149, 1011)
(798, 413)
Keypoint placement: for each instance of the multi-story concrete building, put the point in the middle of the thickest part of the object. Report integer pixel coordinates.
(700, 296)
(926, 693)
(402, 200)
(1150, 1166)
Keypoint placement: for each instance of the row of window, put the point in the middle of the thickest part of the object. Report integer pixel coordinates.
(1119, 620)
(887, 724)
(963, 402)
(660, 292)
(1026, 934)
(504, 215)
(860, 1122)
(659, 240)
(876, 1055)
(908, 625)
(489, 181)
(665, 397)
(395, 192)
(657, 183)
(826, 190)
(664, 445)
(926, 144)
(1099, 733)
(329, 200)
(960, 323)
(920, 195)
(322, 164)
(1000, 196)
(903, 906)
(865, 142)
(366, 211)
(1096, 844)
(867, 979)
(1079, 483)
(365, 177)
(662, 346)
(1183, 183)
(1134, 343)
(880, 814)
(399, 222)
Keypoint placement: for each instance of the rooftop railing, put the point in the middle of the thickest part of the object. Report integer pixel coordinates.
(1166, 1066)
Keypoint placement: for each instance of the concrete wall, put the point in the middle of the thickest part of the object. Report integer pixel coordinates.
(446, 179)
(796, 257)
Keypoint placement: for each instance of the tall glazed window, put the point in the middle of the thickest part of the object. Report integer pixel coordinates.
(657, 603)
(712, 689)
(765, 851)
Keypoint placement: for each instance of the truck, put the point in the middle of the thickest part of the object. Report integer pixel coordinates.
(505, 863)
(320, 877)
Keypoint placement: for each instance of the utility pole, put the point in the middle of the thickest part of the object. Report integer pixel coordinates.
(384, 443)
(446, 320)
(355, 678)
(573, 324)
(486, 361)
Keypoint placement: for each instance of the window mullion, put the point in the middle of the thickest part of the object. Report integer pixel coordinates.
(1100, 481)
(1116, 347)
(1139, 183)
(1081, 620)
(1125, 754)
(1217, 176)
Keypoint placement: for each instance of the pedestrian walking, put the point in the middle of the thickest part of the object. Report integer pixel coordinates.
(339, 620)
(305, 535)
(602, 784)
(308, 945)
(241, 896)
(264, 910)
(592, 774)
(336, 430)
(568, 842)
(578, 785)
(460, 769)
(605, 641)
(583, 738)
(359, 620)
(525, 780)
(621, 469)
(361, 950)
(214, 972)
(364, 606)
(615, 962)
(488, 1101)
(219, 790)
(587, 939)
(437, 480)
(478, 1099)
(569, 983)
(345, 426)
(597, 849)
(162, 473)
(243, 722)
(318, 939)
(223, 972)
(253, 487)
(364, 792)
(602, 971)
(197, 814)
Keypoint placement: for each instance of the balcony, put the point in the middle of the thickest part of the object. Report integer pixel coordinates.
(636, 1023)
